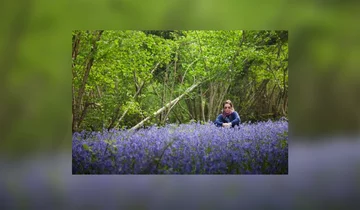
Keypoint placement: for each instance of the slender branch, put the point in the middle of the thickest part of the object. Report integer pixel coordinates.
(182, 80)
(166, 106)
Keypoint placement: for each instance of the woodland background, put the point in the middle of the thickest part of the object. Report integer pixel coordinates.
(121, 78)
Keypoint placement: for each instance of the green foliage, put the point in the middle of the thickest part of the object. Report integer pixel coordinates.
(86, 147)
(135, 73)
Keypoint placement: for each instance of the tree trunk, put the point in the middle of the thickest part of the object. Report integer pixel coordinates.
(77, 102)
(202, 101)
(211, 100)
(190, 108)
(195, 110)
(173, 102)
(164, 95)
(270, 99)
(221, 97)
(75, 48)
(172, 88)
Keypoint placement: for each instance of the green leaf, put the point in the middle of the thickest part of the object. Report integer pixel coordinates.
(86, 147)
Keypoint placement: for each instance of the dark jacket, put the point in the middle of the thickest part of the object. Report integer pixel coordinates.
(234, 118)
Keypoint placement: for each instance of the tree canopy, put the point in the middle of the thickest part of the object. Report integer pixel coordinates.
(121, 78)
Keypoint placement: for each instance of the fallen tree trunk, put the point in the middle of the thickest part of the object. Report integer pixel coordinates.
(173, 102)
(134, 97)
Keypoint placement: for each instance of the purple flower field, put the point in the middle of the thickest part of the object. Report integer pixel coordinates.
(259, 148)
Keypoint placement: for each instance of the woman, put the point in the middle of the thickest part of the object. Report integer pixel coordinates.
(229, 116)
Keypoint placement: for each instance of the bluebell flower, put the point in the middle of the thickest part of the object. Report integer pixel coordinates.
(187, 148)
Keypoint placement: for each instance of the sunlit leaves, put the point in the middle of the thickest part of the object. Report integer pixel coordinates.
(125, 60)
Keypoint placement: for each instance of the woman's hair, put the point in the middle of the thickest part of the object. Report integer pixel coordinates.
(228, 102)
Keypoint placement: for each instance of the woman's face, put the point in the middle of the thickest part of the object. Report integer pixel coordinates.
(227, 108)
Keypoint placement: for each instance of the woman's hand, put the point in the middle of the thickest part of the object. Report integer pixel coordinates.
(226, 125)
